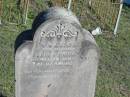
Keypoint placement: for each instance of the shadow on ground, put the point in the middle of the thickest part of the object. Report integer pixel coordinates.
(2, 95)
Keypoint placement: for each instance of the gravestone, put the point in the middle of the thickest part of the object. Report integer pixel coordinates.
(60, 61)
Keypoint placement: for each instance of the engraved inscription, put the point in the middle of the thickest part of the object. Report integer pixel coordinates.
(52, 62)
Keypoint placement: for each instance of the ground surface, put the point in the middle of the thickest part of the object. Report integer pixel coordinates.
(113, 78)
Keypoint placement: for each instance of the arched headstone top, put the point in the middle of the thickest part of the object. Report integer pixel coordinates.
(58, 29)
(54, 13)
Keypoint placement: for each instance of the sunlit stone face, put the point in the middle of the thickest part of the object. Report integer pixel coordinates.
(61, 61)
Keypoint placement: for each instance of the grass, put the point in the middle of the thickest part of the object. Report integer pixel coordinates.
(114, 69)
(113, 78)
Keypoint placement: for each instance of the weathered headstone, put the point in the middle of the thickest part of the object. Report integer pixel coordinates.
(61, 61)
